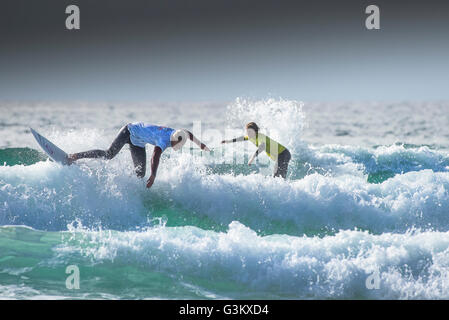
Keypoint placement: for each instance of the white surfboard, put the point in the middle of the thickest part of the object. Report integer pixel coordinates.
(55, 153)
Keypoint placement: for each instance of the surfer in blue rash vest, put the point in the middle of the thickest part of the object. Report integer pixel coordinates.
(137, 135)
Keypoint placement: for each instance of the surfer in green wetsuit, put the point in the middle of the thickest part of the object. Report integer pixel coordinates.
(276, 151)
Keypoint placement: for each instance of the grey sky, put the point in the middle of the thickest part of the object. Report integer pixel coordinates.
(217, 50)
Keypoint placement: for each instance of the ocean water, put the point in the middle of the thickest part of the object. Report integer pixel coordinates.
(366, 198)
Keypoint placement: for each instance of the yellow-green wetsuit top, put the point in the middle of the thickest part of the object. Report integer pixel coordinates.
(269, 143)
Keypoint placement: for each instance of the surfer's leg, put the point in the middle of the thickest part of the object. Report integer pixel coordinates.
(121, 139)
(139, 156)
(281, 166)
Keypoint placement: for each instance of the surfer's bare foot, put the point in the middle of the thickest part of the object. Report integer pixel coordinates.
(71, 158)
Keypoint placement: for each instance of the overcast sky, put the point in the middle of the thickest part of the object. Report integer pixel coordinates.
(203, 50)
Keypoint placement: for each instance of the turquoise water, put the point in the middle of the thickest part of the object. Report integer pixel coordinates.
(212, 227)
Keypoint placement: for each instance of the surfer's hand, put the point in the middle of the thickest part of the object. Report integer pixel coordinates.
(204, 147)
(223, 142)
(150, 181)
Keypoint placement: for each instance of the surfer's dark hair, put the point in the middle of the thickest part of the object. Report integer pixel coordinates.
(252, 125)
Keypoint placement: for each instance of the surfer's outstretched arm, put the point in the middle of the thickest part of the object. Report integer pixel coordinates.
(196, 141)
(238, 139)
(259, 150)
(154, 165)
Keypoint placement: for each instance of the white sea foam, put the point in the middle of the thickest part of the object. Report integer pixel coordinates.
(48, 196)
(411, 265)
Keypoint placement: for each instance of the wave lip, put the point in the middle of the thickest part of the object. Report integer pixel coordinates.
(99, 193)
(384, 162)
(238, 264)
(47, 196)
(317, 203)
(409, 266)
